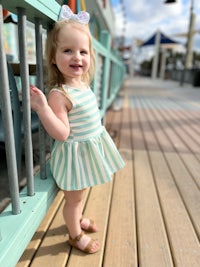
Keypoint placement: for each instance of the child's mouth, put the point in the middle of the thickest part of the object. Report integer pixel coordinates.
(75, 66)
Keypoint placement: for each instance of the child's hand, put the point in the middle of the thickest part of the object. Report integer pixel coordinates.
(37, 98)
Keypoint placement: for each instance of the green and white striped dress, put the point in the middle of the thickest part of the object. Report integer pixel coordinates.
(88, 157)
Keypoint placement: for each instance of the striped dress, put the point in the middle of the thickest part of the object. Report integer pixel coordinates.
(88, 157)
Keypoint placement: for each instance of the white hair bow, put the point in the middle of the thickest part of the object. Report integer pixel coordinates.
(66, 13)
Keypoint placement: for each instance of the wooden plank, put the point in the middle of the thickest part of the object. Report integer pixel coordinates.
(121, 248)
(176, 127)
(193, 166)
(40, 233)
(153, 247)
(98, 206)
(186, 184)
(167, 128)
(160, 135)
(198, 156)
(188, 189)
(189, 126)
(192, 116)
(54, 250)
(183, 129)
(150, 141)
(183, 240)
(121, 239)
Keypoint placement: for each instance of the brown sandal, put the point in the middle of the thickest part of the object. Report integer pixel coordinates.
(91, 228)
(87, 249)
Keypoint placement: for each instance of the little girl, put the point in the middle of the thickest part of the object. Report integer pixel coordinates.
(83, 153)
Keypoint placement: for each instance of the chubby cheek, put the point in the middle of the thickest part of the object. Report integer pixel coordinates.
(87, 65)
(61, 63)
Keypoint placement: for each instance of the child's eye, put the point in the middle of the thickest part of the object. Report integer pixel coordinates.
(84, 52)
(67, 50)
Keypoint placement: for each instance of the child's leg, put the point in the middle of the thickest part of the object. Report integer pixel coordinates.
(72, 213)
(87, 224)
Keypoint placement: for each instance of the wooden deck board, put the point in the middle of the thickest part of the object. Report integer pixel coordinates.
(192, 164)
(31, 249)
(53, 248)
(150, 225)
(149, 217)
(187, 188)
(150, 214)
(182, 239)
(121, 236)
(98, 208)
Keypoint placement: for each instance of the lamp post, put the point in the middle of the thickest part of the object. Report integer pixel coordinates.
(189, 54)
(189, 45)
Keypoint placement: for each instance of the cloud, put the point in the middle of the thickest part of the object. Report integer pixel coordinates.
(144, 17)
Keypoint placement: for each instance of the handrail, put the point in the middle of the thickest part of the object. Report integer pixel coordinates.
(33, 201)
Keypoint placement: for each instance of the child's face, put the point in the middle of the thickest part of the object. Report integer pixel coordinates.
(72, 55)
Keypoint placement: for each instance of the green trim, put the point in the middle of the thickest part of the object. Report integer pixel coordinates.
(46, 10)
(17, 230)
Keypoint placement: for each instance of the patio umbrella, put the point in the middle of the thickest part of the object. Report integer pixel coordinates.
(158, 39)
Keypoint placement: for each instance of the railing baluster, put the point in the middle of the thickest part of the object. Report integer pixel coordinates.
(106, 41)
(8, 125)
(25, 100)
(40, 83)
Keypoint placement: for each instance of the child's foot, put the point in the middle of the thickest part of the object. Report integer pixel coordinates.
(84, 243)
(88, 225)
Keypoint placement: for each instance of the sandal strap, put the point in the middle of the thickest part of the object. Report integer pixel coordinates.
(88, 248)
(77, 238)
(91, 225)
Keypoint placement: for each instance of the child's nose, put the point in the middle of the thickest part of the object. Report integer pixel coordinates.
(77, 55)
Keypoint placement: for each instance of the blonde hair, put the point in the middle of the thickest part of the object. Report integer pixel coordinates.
(54, 76)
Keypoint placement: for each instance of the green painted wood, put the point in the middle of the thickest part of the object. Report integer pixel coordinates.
(106, 41)
(46, 10)
(17, 230)
(115, 76)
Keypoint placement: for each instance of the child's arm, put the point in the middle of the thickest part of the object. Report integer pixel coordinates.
(53, 114)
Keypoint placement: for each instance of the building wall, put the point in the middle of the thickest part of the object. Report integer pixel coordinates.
(104, 14)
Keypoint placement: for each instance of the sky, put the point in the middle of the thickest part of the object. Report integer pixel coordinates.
(144, 17)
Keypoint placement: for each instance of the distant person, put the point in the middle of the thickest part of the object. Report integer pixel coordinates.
(83, 154)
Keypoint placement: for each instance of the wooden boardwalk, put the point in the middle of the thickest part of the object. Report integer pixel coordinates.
(149, 216)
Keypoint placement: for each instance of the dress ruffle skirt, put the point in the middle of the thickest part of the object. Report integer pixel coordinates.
(78, 164)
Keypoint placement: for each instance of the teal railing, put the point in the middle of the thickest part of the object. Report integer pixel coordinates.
(20, 219)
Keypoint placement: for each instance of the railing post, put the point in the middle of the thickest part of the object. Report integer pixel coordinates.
(105, 39)
(8, 125)
(25, 100)
(40, 84)
(94, 83)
